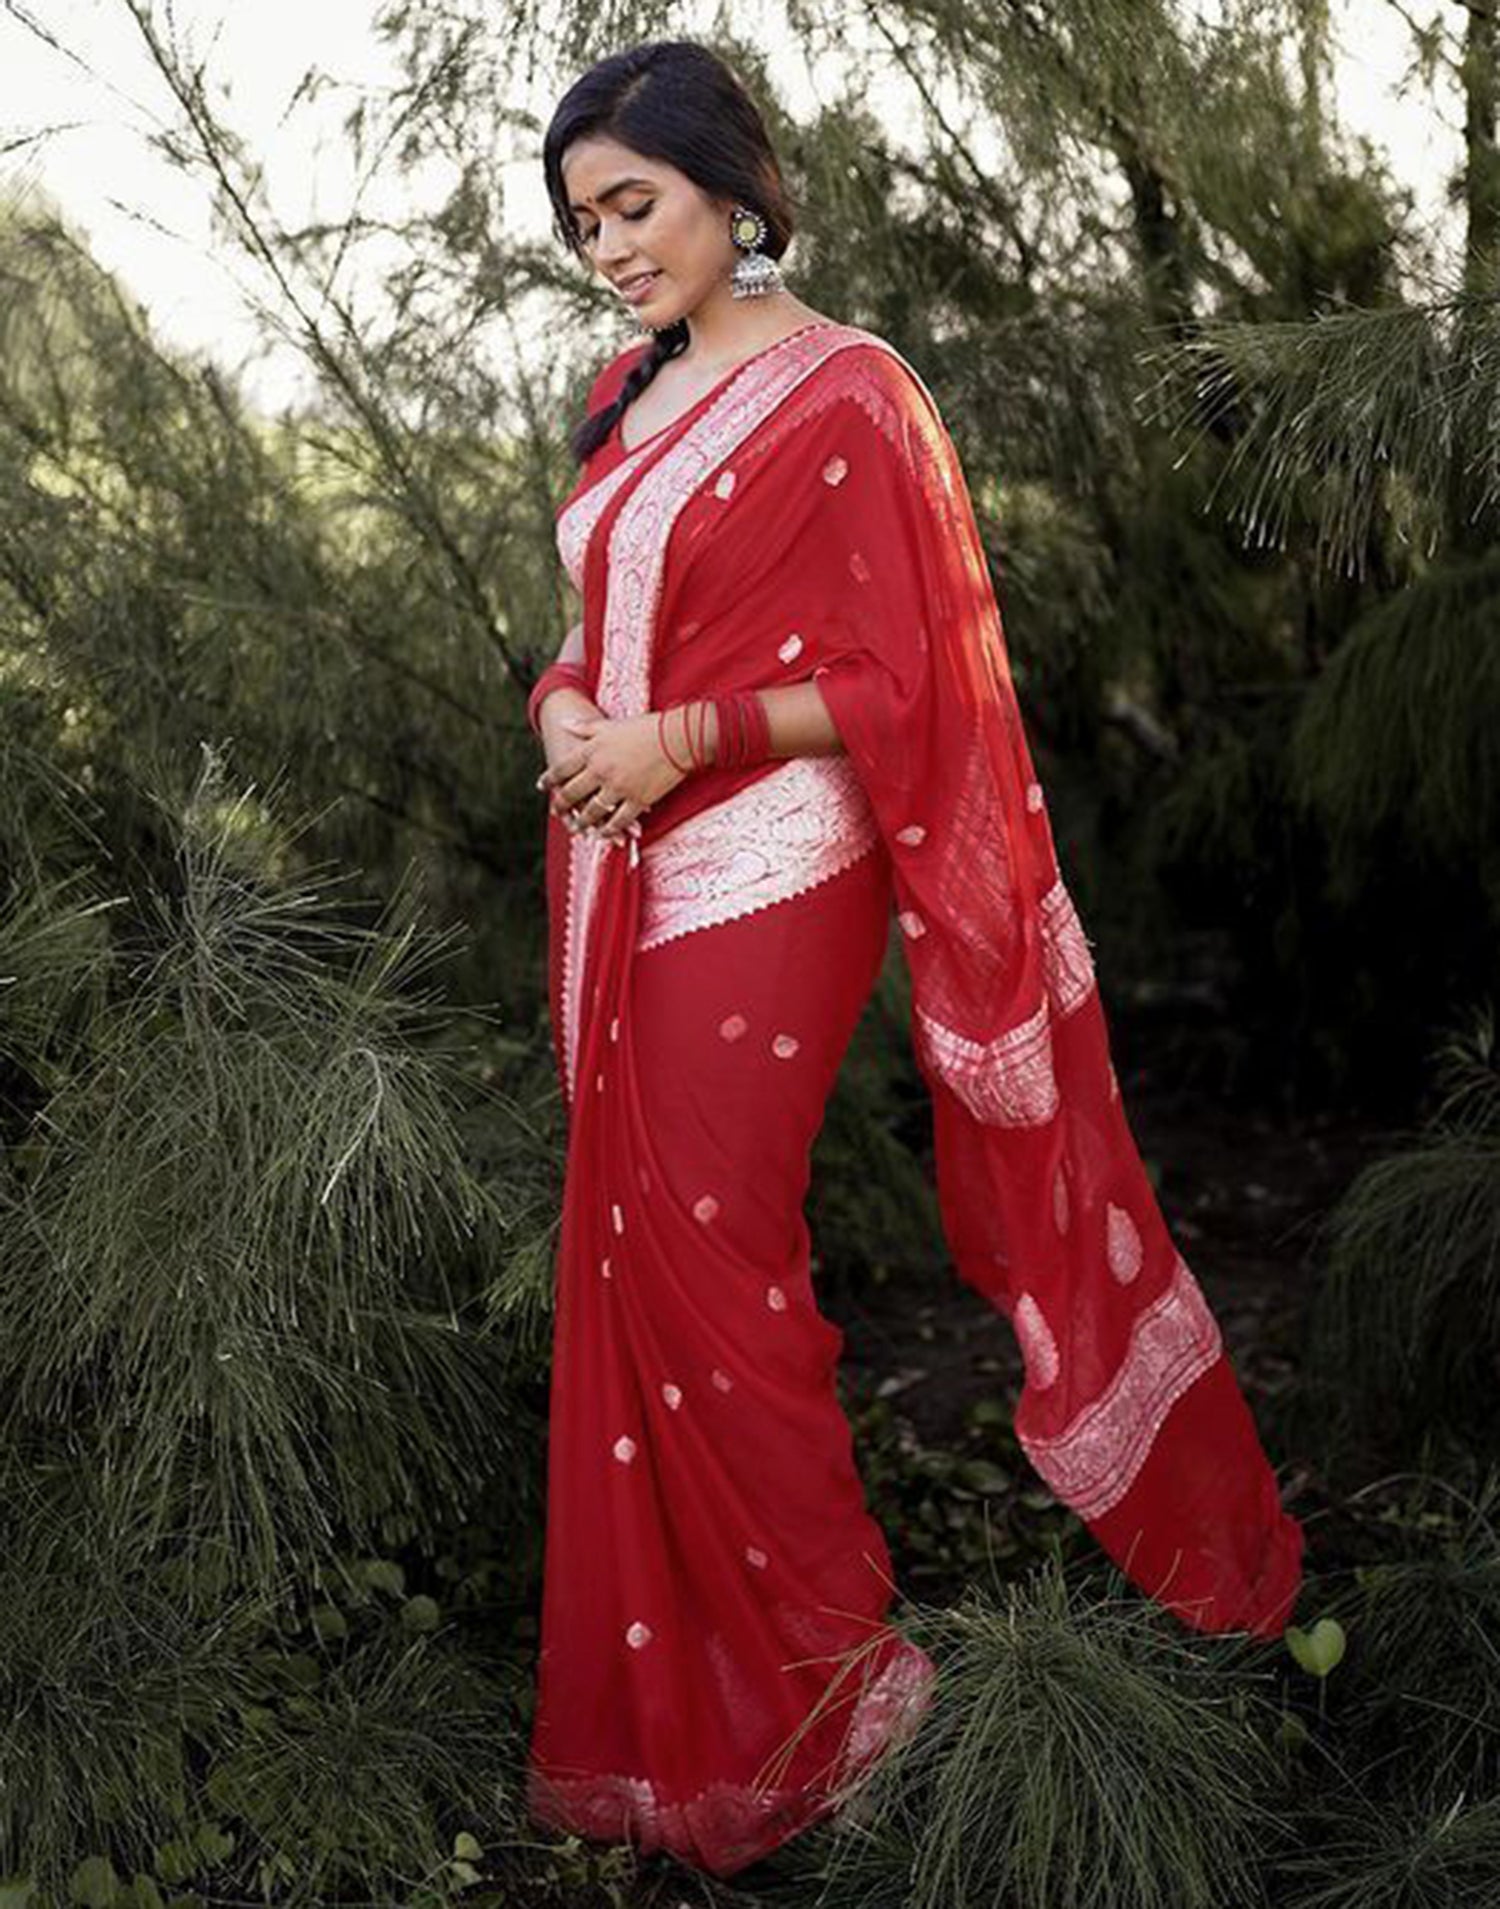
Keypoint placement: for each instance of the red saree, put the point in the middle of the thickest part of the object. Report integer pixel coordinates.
(716, 1664)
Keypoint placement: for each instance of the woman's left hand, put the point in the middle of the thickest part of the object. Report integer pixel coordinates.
(617, 771)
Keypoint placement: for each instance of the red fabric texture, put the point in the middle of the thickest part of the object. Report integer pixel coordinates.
(717, 1666)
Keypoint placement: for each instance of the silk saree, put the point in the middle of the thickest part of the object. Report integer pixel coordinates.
(717, 1668)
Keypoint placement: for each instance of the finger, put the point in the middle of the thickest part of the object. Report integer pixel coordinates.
(618, 825)
(587, 812)
(599, 810)
(578, 788)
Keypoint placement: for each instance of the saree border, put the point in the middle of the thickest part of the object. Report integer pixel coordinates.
(638, 541)
(578, 520)
(742, 1820)
(1009, 1081)
(784, 833)
(1093, 1461)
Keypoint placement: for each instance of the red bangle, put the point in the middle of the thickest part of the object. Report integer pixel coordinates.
(723, 733)
(731, 732)
(661, 737)
(744, 729)
(554, 676)
(760, 718)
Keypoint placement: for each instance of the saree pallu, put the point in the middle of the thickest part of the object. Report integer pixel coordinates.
(716, 1666)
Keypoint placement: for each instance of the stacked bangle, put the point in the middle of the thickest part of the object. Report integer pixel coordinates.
(554, 676)
(742, 731)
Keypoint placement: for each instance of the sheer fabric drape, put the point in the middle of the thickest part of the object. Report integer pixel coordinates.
(713, 1579)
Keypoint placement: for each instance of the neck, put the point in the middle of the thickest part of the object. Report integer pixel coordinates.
(723, 329)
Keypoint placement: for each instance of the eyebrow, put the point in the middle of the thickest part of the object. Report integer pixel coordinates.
(610, 191)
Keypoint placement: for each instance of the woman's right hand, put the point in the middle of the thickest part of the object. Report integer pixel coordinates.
(559, 742)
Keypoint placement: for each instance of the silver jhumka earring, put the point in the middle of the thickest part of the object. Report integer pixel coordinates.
(755, 274)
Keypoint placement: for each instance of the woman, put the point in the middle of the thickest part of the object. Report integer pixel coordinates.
(787, 706)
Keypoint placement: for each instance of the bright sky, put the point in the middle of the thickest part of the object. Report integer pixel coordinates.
(150, 224)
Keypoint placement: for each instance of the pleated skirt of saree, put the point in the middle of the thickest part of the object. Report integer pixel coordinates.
(716, 1669)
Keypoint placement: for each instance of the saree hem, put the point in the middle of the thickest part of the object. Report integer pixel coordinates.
(726, 1826)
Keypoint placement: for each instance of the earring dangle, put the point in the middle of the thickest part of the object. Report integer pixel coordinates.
(755, 274)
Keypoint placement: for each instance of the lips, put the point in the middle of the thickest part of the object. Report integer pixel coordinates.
(639, 285)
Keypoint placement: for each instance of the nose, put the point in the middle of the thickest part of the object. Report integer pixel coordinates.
(612, 249)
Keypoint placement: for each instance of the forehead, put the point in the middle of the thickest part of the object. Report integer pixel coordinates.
(592, 167)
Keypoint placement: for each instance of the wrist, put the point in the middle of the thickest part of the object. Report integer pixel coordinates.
(687, 735)
(552, 681)
(558, 704)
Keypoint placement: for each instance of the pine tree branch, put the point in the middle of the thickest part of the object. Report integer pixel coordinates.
(1001, 205)
(213, 144)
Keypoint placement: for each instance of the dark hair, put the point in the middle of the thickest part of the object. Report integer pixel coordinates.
(672, 100)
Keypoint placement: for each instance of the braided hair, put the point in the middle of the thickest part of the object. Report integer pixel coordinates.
(676, 101)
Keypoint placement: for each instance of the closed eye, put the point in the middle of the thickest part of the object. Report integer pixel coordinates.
(587, 238)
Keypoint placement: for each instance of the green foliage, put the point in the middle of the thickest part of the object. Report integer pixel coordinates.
(356, 1769)
(1443, 1853)
(1404, 1331)
(1320, 1650)
(1419, 1699)
(1334, 422)
(225, 1276)
(358, 607)
(277, 1270)
(1397, 735)
(110, 1686)
(970, 1508)
(1078, 1754)
(242, 1236)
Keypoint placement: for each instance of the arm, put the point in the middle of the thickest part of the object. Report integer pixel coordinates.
(800, 724)
(572, 645)
(555, 693)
